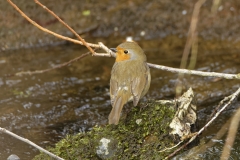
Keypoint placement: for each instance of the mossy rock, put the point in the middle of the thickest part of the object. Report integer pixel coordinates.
(141, 135)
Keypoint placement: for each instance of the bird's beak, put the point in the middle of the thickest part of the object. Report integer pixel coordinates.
(113, 49)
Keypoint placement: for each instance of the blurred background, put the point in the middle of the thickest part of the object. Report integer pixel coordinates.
(45, 107)
(219, 20)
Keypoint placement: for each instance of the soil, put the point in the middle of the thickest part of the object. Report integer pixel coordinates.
(140, 19)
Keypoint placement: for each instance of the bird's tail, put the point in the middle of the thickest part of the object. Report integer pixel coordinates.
(118, 104)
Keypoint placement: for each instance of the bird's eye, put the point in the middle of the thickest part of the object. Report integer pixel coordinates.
(125, 51)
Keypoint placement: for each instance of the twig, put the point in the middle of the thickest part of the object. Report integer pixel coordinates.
(233, 96)
(65, 24)
(202, 148)
(30, 143)
(192, 32)
(219, 105)
(183, 146)
(48, 31)
(108, 53)
(49, 69)
(164, 68)
(191, 42)
(231, 136)
(165, 149)
(193, 72)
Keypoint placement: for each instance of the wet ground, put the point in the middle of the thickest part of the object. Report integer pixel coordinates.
(45, 107)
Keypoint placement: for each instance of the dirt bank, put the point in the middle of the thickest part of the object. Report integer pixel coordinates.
(140, 19)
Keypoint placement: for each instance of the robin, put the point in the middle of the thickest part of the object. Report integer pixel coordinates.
(130, 78)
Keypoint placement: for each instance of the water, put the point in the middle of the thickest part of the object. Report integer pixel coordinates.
(45, 107)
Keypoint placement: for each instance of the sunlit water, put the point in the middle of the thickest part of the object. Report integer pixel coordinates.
(45, 107)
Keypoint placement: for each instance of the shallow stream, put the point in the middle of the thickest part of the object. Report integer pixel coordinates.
(45, 107)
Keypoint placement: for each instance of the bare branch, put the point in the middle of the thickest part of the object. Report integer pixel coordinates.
(29, 142)
(231, 136)
(233, 96)
(65, 24)
(192, 32)
(192, 41)
(49, 69)
(193, 72)
(219, 106)
(48, 31)
(203, 147)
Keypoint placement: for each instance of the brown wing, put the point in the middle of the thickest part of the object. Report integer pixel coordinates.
(148, 81)
(137, 87)
(113, 90)
(140, 85)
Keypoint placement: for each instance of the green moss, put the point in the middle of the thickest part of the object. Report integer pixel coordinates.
(128, 140)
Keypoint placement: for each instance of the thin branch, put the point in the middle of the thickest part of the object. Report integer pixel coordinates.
(49, 69)
(192, 32)
(191, 42)
(219, 106)
(193, 72)
(164, 68)
(48, 31)
(203, 147)
(29, 142)
(108, 53)
(65, 24)
(183, 146)
(233, 96)
(231, 136)
(165, 149)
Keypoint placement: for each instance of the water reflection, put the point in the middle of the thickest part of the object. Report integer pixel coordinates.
(45, 107)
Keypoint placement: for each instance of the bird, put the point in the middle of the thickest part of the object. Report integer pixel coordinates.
(130, 78)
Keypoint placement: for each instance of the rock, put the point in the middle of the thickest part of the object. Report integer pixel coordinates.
(13, 157)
